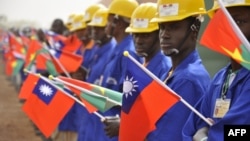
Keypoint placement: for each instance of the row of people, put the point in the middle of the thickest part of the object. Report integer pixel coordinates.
(163, 37)
(174, 30)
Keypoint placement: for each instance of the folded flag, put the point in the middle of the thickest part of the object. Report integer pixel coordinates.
(42, 61)
(103, 101)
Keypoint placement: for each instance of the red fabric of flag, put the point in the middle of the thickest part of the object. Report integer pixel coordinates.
(46, 106)
(144, 102)
(219, 35)
(8, 65)
(27, 86)
(71, 62)
(71, 44)
(16, 45)
(33, 48)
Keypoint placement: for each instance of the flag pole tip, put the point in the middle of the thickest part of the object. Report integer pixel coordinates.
(25, 70)
(51, 77)
(125, 53)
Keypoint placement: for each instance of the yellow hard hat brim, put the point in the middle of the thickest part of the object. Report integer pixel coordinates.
(140, 30)
(211, 12)
(174, 18)
(94, 24)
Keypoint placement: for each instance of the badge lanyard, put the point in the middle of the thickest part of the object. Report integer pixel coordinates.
(230, 77)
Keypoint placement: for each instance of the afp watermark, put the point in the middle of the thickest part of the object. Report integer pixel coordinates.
(239, 132)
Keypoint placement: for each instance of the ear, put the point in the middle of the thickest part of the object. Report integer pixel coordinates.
(195, 35)
(195, 32)
(118, 23)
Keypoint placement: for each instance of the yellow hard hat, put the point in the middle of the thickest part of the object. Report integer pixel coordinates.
(175, 10)
(227, 3)
(70, 20)
(78, 23)
(140, 20)
(100, 18)
(123, 8)
(90, 11)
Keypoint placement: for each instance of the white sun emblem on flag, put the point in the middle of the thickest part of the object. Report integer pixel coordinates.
(45, 90)
(129, 86)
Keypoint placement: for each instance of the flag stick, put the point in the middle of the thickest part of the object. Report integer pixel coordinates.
(85, 90)
(235, 26)
(66, 93)
(166, 87)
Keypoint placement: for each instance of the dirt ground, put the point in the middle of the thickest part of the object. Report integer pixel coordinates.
(14, 124)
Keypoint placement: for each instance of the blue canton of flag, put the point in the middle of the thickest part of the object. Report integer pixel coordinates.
(135, 81)
(56, 53)
(59, 45)
(44, 91)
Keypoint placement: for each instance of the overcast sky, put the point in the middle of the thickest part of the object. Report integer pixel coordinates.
(42, 11)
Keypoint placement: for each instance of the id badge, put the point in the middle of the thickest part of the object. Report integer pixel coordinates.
(221, 107)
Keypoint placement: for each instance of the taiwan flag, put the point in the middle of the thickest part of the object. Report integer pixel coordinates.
(71, 44)
(70, 61)
(144, 102)
(221, 37)
(47, 105)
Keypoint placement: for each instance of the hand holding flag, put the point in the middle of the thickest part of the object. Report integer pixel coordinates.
(142, 104)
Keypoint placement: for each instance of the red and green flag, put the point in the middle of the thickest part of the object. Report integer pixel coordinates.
(220, 36)
(34, 46)
(16, 44)
(42, 60)
(105, 99)
(13, 66)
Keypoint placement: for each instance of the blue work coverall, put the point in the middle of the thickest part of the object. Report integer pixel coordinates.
(115, 69)
(190, 80)
(159, 64)
(238, 113)
(101, 58)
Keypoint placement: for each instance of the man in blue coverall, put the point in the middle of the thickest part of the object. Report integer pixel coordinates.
(120, 12)
(146, 39)
(229, 89)
(145, 35)
(105, 45)
(179, 23)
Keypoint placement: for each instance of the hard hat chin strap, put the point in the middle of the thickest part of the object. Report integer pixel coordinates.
(113, 24)
(153, 47)
(193, 27)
